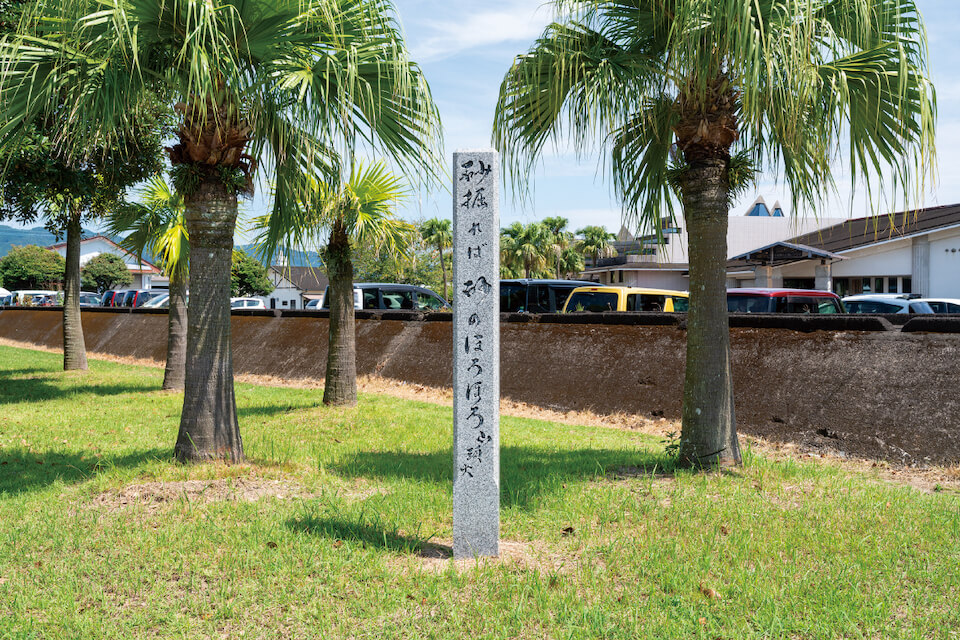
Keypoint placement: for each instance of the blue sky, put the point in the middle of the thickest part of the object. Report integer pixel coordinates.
(466, 46)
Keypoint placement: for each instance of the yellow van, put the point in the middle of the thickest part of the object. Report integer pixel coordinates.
(601, 298)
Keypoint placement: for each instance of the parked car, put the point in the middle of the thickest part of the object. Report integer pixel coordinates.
(112, 297)
(161, 301)
(135, 298)
(878, 303)
(599, 298)
(527, 295)
(247, 303)
(942, 305)
(382, 295)
(33, 297)
(88, 299)
(763, 300)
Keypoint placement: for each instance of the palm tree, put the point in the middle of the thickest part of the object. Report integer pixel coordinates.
(357, 211)
(596, 242)
(439, 232)
(157, 225)
(686, 93)
(563, 239)
(527, 249)
(274, 81)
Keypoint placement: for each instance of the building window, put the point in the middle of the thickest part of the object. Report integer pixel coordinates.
(878, 285)
(907, 285)
(841, 286)
(891, 285)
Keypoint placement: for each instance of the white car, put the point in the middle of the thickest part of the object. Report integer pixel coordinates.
(942, 305)
(885, 303)
(247, 303)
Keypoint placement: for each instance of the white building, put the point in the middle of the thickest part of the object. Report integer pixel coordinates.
(295, 286)
(142, 271)
(907, 252)
(643, 262)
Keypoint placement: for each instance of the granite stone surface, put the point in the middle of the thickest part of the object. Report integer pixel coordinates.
(476, 349)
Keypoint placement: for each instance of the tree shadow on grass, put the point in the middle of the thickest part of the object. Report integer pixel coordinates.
(373, 534)
(24, 371)
(275, 409)
(526, 473)
(22, 471)
(39, 390)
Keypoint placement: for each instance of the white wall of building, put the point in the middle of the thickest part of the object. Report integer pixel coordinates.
(92, 247)
(652, 278)
(285, 296)
(890, 261)
(945, 264)
(892, 258)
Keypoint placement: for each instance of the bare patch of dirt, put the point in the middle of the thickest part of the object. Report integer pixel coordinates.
(436, 556)
(155, 496)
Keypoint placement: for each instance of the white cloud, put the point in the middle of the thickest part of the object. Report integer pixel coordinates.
(520, 21)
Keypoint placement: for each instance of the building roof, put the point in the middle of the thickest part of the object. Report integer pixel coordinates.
(307, 279)
(861, 232)
(144, 266)
(779, 253)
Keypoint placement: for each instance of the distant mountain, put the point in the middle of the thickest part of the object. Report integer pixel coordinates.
(296, 259)
(10, 236)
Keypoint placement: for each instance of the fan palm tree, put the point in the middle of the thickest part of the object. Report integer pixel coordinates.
(157, 225)
(596, 242)
(439, 233)
(527, 249)
(280, 82)
(684, 93)
(357, 211)
(568, 259)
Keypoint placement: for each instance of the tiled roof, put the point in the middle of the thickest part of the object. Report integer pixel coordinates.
(307, 279)
(860, 232)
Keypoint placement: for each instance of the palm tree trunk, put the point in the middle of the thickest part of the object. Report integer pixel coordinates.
(443, 270)
(208, 423)
(709, 433)
(74, 348)
(340, 385)
(173, 374)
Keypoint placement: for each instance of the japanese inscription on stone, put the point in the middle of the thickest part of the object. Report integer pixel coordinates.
(476, 377)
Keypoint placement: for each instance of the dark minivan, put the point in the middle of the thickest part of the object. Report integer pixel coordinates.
(399, 297)
(526, 295)
(761, 300)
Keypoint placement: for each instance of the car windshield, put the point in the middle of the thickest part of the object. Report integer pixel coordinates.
(920, 307)
(397, 299)
(595, 301)
(748, 303)
(681, 305)
(872, 306)
(427, 301)
(513, 297)
(806, 304)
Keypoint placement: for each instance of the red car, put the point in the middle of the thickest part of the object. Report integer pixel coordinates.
(759, 300)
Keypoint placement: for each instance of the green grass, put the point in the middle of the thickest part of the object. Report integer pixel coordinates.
(793, 549)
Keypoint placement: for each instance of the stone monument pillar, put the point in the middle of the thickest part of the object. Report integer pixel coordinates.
(476, 349)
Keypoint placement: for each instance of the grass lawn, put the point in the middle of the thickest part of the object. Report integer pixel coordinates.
(339, 523)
